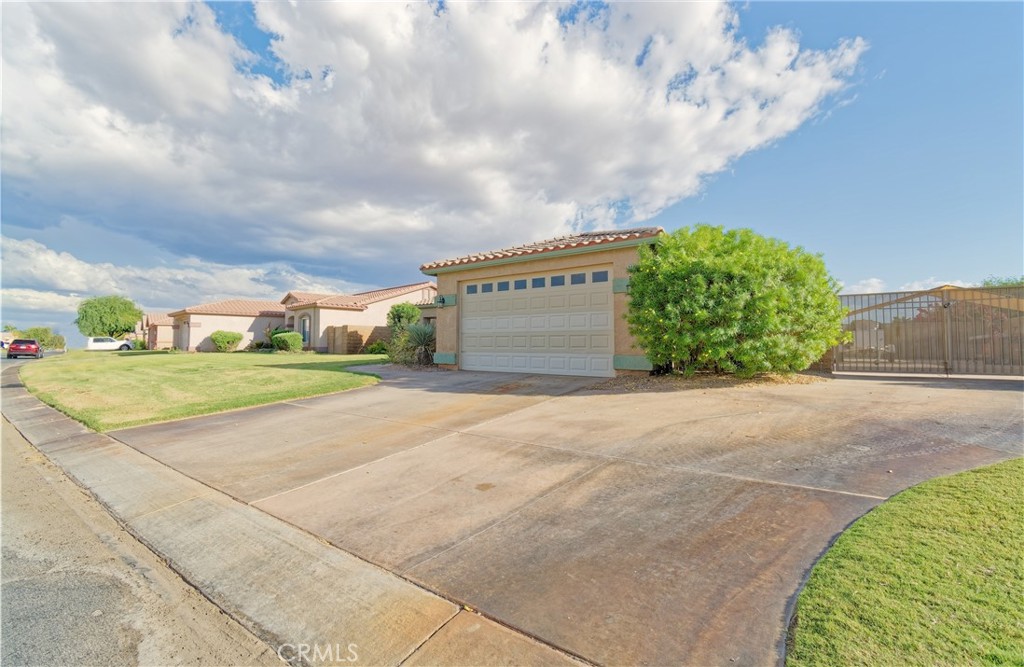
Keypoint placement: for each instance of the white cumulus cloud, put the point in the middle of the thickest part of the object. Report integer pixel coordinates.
(403, 135)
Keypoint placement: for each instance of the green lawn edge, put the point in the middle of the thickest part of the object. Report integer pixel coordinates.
(99, 421)
(934, 576)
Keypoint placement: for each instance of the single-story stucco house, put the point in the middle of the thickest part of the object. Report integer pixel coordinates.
(249, 317)
(158, 329)
(357, 319)
(365, 314)
(555, 306)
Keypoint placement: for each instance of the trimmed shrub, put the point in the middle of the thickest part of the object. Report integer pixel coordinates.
(226, 341)
(138, 344)
(705, 299)
(290, 341)
(376, 347)
(399, 351)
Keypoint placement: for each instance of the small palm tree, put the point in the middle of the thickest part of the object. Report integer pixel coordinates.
(422, 340)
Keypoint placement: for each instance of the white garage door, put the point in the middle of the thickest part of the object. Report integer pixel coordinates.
(556, 323)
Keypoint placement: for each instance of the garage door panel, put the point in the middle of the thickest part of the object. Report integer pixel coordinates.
(579, 321)
(562, 329)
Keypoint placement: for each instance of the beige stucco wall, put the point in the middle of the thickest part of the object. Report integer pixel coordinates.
(616, 260)
(194, 329)
(160, 336)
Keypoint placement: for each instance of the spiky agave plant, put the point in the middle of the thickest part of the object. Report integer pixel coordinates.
(422, 339)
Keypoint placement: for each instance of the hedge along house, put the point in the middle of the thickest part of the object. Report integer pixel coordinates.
(251, 318)
(364, 315)
(555, 307)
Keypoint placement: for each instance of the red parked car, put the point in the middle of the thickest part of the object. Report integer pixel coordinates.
(24, 347)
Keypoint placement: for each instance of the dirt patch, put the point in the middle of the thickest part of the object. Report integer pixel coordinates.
(678, 382)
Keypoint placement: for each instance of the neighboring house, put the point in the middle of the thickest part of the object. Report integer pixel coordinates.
(365, 314)
(159, 331)
(251, 318)
(555, 306)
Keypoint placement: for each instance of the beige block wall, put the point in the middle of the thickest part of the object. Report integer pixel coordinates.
(617, 261)
(353, 339)
(197, 328)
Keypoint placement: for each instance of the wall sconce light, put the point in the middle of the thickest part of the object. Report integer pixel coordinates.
(440, 301)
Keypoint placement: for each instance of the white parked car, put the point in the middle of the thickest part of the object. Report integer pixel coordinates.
(106, 343)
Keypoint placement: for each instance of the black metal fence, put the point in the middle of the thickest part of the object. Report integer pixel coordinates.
(947, 330)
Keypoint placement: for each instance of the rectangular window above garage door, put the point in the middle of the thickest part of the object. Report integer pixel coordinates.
(557, 281)
(470, 289)
(599, 277)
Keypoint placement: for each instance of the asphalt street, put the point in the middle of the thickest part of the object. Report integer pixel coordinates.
(79, 590)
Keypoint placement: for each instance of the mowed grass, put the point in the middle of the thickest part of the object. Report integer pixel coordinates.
(934, 576)
(110, 390)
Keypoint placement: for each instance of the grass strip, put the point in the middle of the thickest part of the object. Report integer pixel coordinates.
(933, 576)
(113, 390)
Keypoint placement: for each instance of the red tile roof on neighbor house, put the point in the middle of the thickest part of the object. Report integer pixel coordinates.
(303, 297)
(357, 301)
(581, 240)
(244, 307)
(158, 319)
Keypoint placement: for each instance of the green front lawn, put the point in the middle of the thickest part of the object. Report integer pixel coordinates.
(934, 576)
(112, 390)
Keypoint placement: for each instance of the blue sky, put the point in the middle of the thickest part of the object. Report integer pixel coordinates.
(920, 175)
(239, 151)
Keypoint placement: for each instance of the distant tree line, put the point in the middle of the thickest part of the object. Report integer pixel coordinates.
(48, 339)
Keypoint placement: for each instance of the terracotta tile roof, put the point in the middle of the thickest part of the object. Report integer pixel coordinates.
(361, 300)
(305, 297)
(580, 240)
(158, 319)
(246, 307)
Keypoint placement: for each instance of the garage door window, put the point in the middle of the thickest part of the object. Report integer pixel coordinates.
(538, 283)
(599, 277)
(470, 289)
(520, 284)
(503, 286)
(557, 281)
(578, 279)
(487, 287)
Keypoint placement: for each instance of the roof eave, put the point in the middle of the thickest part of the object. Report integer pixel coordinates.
(543, 254)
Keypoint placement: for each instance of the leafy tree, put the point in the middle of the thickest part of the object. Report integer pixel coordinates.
(705, 299)
(107, 316)
(46, 337)
(401, 316)
(1003, 281)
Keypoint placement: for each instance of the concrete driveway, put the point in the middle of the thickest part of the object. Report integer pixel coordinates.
(624, 528)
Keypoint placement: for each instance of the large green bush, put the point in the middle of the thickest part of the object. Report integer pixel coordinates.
(290, 341)
(705, 299)
(401, 316)
(226, 341)
(376, 347)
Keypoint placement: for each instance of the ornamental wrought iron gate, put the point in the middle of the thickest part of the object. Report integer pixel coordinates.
(947, 330)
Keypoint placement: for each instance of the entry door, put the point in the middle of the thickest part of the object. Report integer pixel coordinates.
(558, 323)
